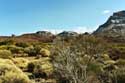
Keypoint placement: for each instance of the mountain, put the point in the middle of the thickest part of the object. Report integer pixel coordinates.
(40, 36)
(114, 26)
(67, 34)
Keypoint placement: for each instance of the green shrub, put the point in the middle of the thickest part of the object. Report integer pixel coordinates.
(5, 54)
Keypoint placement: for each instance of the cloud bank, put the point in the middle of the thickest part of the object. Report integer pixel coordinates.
(106, 11)
(79, 29)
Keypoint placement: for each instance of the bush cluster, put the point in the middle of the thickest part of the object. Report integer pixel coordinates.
(6, 54)
(9, 73)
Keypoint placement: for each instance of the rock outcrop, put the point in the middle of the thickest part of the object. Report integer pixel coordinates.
(114, 27)
(67, 34)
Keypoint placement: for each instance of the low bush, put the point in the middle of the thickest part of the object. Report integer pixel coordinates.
(30, 67)
(9, 73)
(21, 62)
(118, 76)
(7, 42)
(30, 51)
(15, 50)
(3, 47)
(5, 54)
(120, 63)
(21, 44)
(114, 54)
(45, 52)
(95, 67)
(40, 68)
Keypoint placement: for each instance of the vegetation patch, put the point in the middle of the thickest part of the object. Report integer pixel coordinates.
(9, 73)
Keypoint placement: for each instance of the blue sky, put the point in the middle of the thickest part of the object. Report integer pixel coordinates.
(21, 16)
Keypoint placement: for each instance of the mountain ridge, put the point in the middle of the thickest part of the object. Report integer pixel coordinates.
(114, 26)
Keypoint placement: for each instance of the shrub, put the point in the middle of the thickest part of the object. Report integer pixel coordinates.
(109, 65)
(21, 44)
(9, 73)
(15, 50)
(21, 62)
(45, 52)
(95, 67)
(114, 54)
(40, 68)
(118, 76)
(73, 58)
(111, 62)
(30, 51)
(5, 54)
(31, 67)
(120, 63)
(3, 47)
(7, 42)
(12, 77)
(105, 57)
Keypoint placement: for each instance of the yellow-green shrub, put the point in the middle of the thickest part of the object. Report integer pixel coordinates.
(110, 62)
(40, 66)
(21, 44)
(105, 57)
(30, 51)
(14, 49)
(21, 62)
(45, 52)
(3, 47)
(9, 73)
(5, 54)
(120, 63)
(118, 76)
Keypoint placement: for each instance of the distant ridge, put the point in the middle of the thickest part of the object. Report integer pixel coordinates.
(112, 29)
(39, 36)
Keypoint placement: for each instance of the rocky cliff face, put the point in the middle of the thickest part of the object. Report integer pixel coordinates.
(114, 27)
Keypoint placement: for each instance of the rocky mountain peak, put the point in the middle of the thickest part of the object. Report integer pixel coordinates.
(119, 13)
(114, 26)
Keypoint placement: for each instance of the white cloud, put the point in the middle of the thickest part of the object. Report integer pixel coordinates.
(79, 29)
(54, 31)
(106, 12)
(83, 29)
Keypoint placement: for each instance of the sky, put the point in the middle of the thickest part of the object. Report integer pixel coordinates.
(27, 16)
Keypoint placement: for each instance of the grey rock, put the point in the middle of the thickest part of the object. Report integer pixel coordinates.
(44, 33)
(67, 34)
(114, 27)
